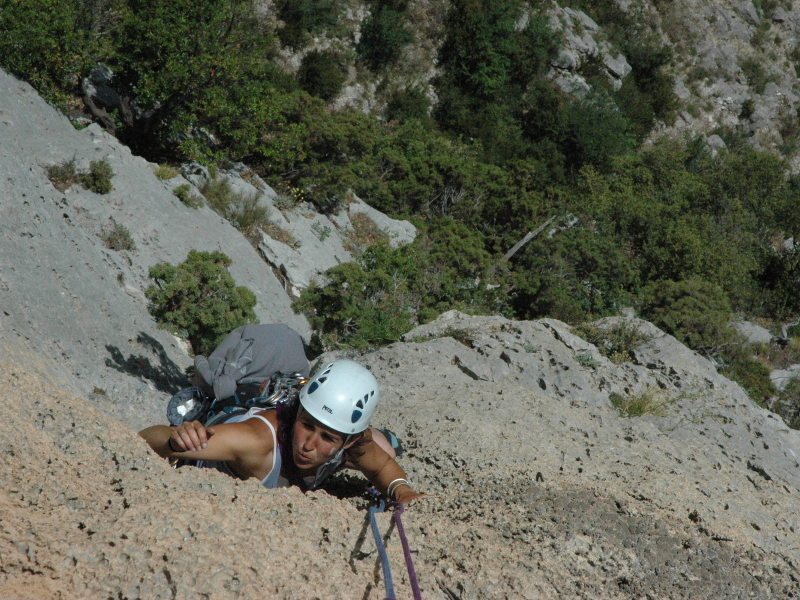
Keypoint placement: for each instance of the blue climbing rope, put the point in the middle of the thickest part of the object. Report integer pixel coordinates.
(387, 573)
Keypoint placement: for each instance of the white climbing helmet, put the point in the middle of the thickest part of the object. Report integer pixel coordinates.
(342, 395)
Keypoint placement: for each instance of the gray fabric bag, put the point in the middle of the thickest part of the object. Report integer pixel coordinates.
(250, 354)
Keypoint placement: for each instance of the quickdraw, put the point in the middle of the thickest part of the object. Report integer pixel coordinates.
(381, 506)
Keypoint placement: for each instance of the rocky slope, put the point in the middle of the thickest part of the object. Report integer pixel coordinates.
(538, 487)
(735, 63)
(76, 308)
(533, 494)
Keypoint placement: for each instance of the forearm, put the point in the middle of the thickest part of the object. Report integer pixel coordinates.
(157, 437)
(392, 481)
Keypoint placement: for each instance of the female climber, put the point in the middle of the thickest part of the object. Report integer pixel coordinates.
(298, 444)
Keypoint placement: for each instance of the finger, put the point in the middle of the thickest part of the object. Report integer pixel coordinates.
(201, 437)
(189, 438)
(175, 442)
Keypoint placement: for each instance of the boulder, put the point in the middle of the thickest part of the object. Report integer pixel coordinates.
(753, 333)
(783, 377)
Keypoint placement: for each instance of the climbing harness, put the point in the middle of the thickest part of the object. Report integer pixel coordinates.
(191, 404)
(379, 507)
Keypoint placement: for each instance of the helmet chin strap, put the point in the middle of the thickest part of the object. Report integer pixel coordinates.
(324, 469)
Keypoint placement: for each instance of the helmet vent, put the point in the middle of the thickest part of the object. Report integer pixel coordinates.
(322, 379)
(366, 398)
(360, 404)
(356, 416)
(313, 387)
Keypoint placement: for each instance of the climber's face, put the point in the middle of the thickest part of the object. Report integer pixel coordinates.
(313, 444)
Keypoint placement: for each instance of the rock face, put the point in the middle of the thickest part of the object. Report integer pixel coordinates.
(77, 307)
(538, 486)
(533, 494)
(317, 242)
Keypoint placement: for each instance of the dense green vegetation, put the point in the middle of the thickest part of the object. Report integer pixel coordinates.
(686, 238)
(199, 299)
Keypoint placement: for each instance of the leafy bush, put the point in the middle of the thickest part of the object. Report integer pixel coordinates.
(388, 292)
(52, 43)
(697, 313)
(410, 103)
(304, 17)
(748, 108)
(787, 404)
(383, 36)
(321, 75)
(98, 179)
(118, 237)
(575, 275)
(757, 78)
(752, 375)
(199, 299)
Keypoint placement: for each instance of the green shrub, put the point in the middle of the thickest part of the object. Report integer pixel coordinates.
(787, 404)
(575, 275)
(52, 43)
(748, 108)
(321, 75)
(389, 291)
(410, 103)
(383, 36)
(199, 299)
(304, 17)
(118, 237)
(757, 77)
(696, 312)
(753, 376)
(357, 308)
(185, 194)
(98, 179)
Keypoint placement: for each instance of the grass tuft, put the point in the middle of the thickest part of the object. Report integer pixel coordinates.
(165, 171)
(117, 237)
(647, 402)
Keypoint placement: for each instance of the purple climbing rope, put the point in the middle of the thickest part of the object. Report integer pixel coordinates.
(412, 574)
(381, 506)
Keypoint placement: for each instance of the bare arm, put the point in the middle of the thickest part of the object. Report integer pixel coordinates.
(383, 472)
(247, 445)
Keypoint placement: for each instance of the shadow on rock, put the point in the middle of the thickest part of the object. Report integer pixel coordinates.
(166, 376)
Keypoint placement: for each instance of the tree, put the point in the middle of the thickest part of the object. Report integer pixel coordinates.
(183, 61)
(199, 299)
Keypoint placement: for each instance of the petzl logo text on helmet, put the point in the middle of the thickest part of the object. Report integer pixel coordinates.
(326, 409)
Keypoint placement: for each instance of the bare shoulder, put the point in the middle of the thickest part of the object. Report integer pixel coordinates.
(250, 436)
